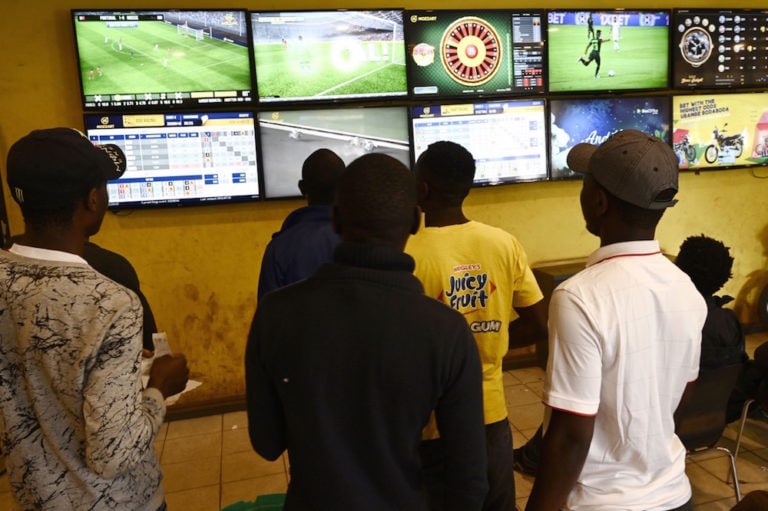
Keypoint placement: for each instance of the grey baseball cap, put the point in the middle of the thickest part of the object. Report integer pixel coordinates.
(633, 166)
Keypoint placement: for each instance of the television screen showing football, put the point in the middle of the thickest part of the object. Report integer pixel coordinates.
(288, 137)
(143, 59)
(328, 55)
(609, 50)
(474, 53)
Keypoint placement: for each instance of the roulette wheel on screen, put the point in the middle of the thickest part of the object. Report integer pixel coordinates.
(471, 51)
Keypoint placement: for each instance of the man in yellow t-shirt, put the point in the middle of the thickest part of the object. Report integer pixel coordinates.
(482, 272)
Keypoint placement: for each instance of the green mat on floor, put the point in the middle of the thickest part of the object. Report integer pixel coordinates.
(272, 502)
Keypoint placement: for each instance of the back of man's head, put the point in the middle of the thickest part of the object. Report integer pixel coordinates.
(707, 262)
(319, 174)
(376, 201)
(448, 169)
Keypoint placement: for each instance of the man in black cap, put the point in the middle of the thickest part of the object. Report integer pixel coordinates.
(625, 337)
(344, 368)
(76, 427)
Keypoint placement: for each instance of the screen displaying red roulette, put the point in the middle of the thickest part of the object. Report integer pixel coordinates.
(474, 53)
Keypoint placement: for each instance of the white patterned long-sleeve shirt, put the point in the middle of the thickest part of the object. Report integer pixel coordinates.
(75, 425)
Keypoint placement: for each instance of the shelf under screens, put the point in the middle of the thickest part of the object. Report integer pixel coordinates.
(633, 50)
(138, 60)
(716, 131)
(719, 48)
(177, 159)
(593, 120)
(474, 53)
(328, 55)
(288, 137)
(506, 138)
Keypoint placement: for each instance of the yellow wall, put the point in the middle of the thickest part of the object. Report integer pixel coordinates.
(199, 266)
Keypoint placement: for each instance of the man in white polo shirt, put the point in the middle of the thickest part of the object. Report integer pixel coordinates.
(625, 336)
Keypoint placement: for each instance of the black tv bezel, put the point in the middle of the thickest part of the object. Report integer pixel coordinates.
(638, 10)
(182, 203)
(709, 93)
(474, 95)
(247, 101)
(663, 98)
(485, 100)
(270, 108)
(312, 101)
(676, 59)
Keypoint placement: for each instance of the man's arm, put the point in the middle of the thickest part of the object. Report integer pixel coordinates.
(460, 420)
(530, 327)
(121, 421)
(266, 425)
(564, 449)
(269, 276)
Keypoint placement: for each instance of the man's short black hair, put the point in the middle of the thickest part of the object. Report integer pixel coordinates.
(377, 196)
(708, 262)
(448, 169)
(319, 174)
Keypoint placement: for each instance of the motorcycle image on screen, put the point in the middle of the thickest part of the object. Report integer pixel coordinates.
(726, 144)
(685, 147)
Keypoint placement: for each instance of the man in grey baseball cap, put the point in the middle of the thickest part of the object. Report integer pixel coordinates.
(78, 426)
(625, 338)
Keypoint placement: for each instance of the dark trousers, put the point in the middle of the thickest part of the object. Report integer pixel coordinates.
(501, 475)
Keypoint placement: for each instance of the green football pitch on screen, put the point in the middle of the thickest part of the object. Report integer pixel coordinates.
(640, 62)
(158, 57)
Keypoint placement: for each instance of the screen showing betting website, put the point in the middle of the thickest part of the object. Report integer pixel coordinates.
(573, 121)
(328, 55)
(719, 48)
(143, 59)
(180, 158)
(713, 131)
(506, 138)
(474, 53)
(608, 50)
(288, 137)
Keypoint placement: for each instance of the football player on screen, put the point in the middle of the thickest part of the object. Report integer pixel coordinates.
(595, 44)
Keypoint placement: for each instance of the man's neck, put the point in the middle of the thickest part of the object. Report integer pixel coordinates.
(63, 240)
(442, 217)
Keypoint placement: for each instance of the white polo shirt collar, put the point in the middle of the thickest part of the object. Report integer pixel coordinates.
(624, 249)
(45, 254)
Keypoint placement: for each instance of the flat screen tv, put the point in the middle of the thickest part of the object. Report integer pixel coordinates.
(593, 120)
(507, 138)
(712, 131)
(289, 136)
(474, 53)
(719, 48)
(180, 158)
(331, 55)
(164, 58)
(608, 50)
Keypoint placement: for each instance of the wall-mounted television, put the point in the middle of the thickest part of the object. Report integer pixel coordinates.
(329, 55)
(593, 120)
(474, 53)
(719, 48)
(507, 138)
(162, 58)
(289, 136)
(712, 131)
(180, 158)
(608, 50)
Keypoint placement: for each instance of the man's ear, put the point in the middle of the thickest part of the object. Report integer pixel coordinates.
(301, 188)
(335, 220)
(423, 191)
(93, 199)
(416, 220)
